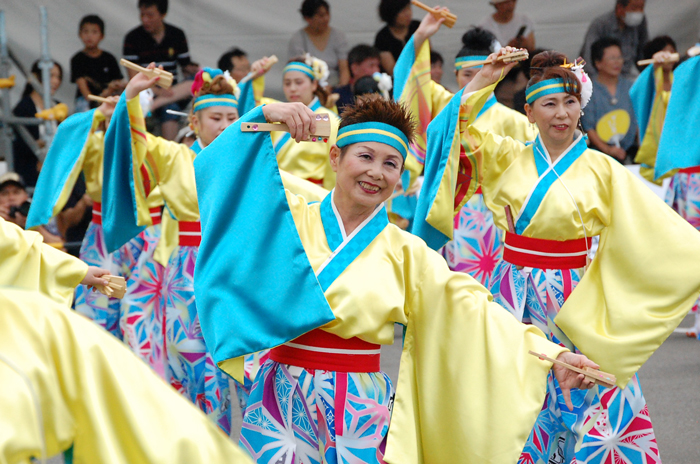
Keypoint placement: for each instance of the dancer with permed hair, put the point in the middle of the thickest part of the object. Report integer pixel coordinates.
(341, 277)
(552, 197)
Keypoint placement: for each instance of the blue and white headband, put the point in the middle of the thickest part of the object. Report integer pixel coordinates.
(462, 62)
(373, 132)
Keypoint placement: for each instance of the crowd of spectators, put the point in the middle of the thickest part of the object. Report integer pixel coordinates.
(612, 44)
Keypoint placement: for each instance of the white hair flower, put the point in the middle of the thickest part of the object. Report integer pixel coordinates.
(384, 83)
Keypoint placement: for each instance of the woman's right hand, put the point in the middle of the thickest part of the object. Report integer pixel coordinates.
(663, 58)
(428, 26)
(297, 116)
(259, 67)
(107, 108)
(140, 82)
(490, 73)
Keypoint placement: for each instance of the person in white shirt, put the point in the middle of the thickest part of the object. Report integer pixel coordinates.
(510, 28)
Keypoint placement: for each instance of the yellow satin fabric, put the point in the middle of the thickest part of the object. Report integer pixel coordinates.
(93, 393)
(643, 279)
(468, 390)
(646, 155)
(27, 262)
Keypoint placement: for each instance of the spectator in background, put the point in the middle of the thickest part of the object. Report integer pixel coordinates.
(95, 71)
(235, 61)
(627, 24)
(609, 117)
(436, 62)
(510, 28)
(26, 162)
(400, 26)
(164, 44)
(14, 206)
(322, 41)
(364, 61)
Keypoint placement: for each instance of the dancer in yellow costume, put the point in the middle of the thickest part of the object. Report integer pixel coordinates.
(304, 79)
(67, 383)
(551, 197)
(475, 244)
(338, 278)
(27, 262)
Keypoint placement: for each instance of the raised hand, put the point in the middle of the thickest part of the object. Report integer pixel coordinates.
(569, 379)
(297, 116)
(428, 27)
(140, 82)
(107, 108)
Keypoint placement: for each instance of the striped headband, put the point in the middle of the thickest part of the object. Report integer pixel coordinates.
(301, 67)
(462, 62)
(546, 87)
(373, 132)
(209, 100)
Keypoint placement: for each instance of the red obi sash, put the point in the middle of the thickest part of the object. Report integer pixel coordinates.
(693, 170)
(97, 213)
(320, 350)
(190, 233)
(545, 254)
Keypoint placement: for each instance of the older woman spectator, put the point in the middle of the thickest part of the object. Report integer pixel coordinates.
(322, 41)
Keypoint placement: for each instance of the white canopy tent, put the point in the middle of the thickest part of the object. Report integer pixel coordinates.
(263, 27)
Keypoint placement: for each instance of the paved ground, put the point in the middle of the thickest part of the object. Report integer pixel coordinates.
(671, 384)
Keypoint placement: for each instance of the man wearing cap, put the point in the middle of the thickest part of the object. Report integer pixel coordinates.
(625, 23)
(14, 205)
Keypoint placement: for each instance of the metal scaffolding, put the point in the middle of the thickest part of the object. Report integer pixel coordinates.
(8, 121)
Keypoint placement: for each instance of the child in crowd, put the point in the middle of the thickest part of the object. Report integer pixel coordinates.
(94, 70)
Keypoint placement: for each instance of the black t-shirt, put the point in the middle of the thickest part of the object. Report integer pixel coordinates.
(142, 49)
(386, 42)
(98, 72)
(25, 161)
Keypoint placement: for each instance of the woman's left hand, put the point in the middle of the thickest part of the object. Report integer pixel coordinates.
(569, 379)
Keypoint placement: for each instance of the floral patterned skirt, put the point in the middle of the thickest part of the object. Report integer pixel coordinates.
(608, 425)
(299, 416)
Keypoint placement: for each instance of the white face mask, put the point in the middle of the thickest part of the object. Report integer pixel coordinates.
(634, 18)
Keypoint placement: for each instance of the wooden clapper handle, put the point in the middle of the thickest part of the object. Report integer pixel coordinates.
(450, 19)
(674, 58)
(321, 134)
(518, 55)
(271, 60)
(599, 377)
(166, 78)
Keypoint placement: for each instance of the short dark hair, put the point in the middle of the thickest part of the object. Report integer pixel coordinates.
(225, 63)
(390, 9)
(657, 44)
(362, 52)
(92, 19)
(622, 3)
(599, 46)
(377, 109)
(310, 7)
(161, 5)
(436, 57)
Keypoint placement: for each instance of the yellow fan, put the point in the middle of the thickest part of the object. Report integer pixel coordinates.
(613, 127)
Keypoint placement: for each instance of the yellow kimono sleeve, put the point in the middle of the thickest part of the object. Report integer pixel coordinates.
(90, 162)
(27, 263)
(92, 393)
(474, 157)
(646, 155)
(298, 186)
(425, 98)
(169, 238)
(468, 391)
(163, 163)
(642, 282)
